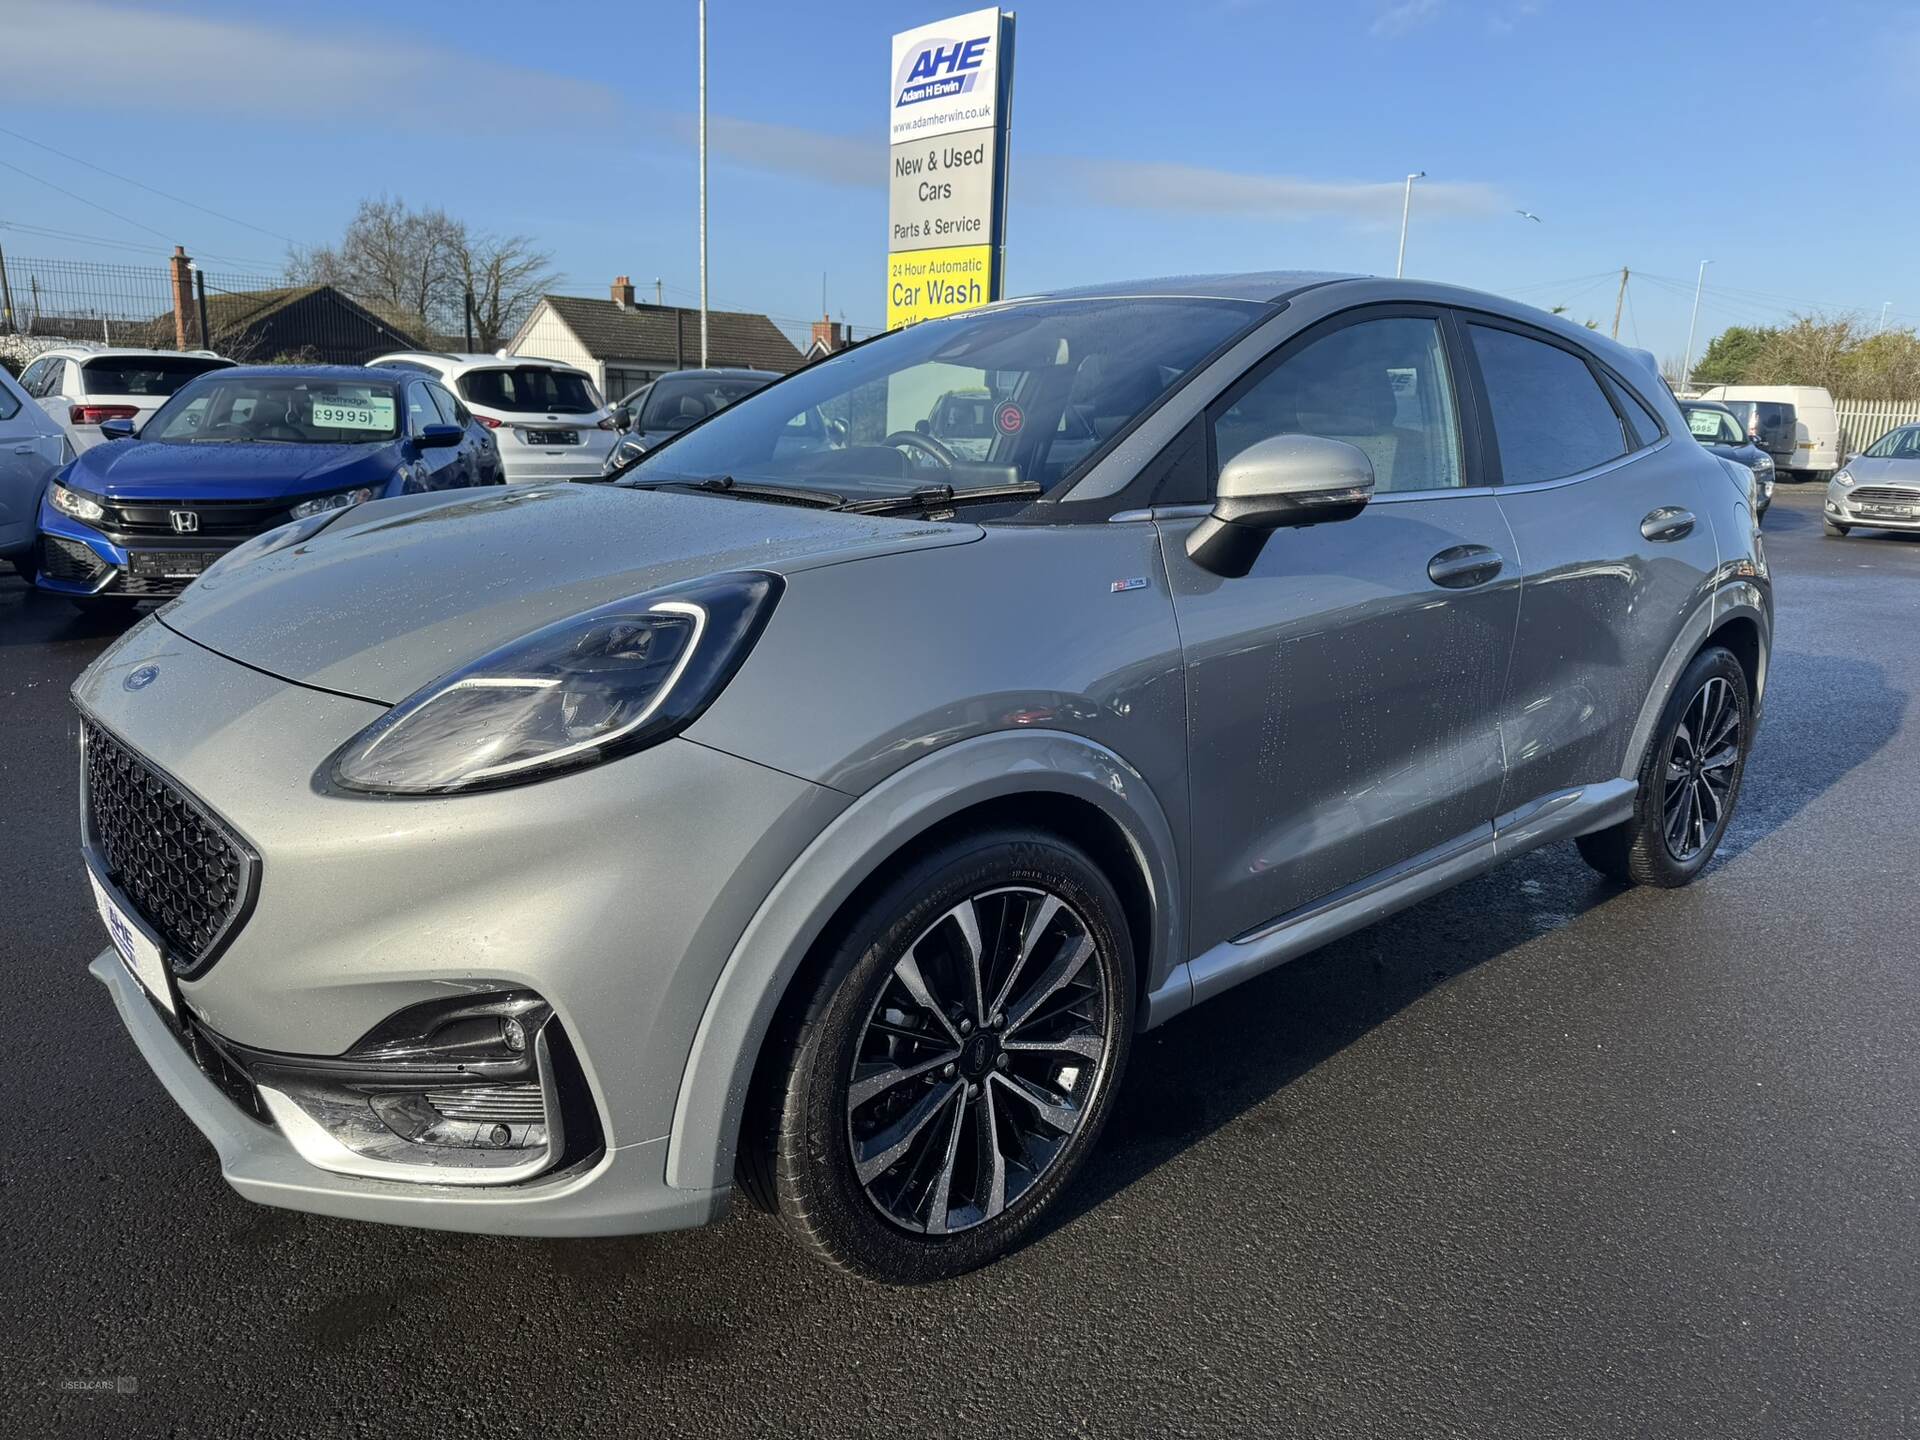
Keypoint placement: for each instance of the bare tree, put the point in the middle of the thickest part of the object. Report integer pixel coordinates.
(419, 264)
(506, 277)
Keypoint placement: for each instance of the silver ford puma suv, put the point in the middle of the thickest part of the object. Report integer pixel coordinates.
(818, 806)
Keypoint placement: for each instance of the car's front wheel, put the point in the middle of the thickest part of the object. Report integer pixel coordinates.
(1839, 532)
(1689, 780)
(955, 1062)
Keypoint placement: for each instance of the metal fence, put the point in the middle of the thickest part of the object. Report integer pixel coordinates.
(1864, 421)
(254, 318)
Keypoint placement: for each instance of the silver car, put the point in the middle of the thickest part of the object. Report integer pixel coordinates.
(1880, 488)
(538, 861)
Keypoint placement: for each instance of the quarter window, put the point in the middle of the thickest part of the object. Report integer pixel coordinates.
(1646, 429)
(1550, 416)
(31, 377)
(1379, 385)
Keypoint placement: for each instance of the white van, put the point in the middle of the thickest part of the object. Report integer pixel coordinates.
(1816, 450)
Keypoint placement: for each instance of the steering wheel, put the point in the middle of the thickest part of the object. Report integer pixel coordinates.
(926, 445)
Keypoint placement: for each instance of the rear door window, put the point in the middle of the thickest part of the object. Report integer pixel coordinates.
(530, 388)
(1550, 417)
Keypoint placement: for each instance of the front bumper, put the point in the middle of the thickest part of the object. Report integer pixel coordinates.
(76, 559)
(620, 1193)
(615, 894)
(1844, 507)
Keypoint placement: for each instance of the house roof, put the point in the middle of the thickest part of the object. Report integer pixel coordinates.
(648, 332)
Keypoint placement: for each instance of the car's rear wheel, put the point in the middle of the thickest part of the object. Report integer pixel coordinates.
(954, 1063)
(1689, 781)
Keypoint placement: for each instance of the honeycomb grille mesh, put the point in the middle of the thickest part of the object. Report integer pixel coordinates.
(180, 868)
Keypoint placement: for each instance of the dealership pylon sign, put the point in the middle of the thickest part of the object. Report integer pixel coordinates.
(947, 117)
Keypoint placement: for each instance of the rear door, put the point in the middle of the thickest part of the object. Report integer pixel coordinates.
(1343, 697)
(1608, 509)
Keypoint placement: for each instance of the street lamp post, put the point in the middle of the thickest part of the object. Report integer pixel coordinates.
(1406, 208)
(1686, 367)
(703, 184)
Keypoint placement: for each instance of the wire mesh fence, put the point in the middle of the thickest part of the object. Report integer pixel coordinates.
(255, 319)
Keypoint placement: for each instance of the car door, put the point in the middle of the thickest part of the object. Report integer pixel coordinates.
(433, 469)
(464, 467)
(31, 449)
(1616, 551)
(1343, 696)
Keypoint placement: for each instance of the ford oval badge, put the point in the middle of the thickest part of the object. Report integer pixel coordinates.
(141, 678)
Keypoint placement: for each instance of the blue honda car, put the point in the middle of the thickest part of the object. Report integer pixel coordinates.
(236, 452)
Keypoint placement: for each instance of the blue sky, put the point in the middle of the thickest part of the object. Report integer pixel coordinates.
(1148, 139)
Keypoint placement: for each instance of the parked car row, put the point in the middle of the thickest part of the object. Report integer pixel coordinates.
(1716, 426)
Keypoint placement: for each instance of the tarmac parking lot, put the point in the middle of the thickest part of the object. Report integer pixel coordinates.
(1537, 1157)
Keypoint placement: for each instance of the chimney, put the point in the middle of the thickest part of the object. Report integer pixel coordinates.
(182, 276)
(830, 335)
(623, 292)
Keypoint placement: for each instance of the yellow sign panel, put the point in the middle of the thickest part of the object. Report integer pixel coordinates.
(924, 284)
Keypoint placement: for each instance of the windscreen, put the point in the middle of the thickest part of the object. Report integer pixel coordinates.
(156, 375)
(1049, 382)
(1902, 444)
(274, 409)
(530, 389)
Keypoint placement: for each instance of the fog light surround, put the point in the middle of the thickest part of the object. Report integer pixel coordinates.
(460, 1091)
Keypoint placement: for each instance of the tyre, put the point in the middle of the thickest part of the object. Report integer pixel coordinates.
(1689, 781)
(954, 1063)
(1838, 532)
(27, 563)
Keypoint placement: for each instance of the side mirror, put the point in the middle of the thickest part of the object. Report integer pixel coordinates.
(1284, 481)
(117, 429)
(439, 437)
(623, 417)
(923, 427)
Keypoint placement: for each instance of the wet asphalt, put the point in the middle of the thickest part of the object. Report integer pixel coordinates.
(1539, 1157)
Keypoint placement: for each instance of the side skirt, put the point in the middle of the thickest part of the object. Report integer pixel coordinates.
(1559, 816)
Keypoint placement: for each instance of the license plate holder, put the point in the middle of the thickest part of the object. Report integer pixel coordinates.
(1892, 512)
(546, 438)
(138, 951)
(169, 564)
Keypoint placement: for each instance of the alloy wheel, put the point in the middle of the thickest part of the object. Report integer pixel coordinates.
(1702, 764)
(979, 1058)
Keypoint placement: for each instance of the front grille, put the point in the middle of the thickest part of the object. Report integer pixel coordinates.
(1885, 495)
(185, 873)
(212, 519)
(64, 559)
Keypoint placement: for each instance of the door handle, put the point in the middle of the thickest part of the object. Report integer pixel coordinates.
(1669, 522)
(1464, 566)
(23, 450)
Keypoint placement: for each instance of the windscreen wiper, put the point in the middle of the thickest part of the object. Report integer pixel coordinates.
(727, 485)
(941, 497)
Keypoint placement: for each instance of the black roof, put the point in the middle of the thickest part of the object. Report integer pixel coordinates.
(648, 332)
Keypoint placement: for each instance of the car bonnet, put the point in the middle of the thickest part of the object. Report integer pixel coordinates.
(397, 593)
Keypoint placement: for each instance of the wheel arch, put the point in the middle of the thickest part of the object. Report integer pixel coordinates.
(1738, 615)
(1050, 780)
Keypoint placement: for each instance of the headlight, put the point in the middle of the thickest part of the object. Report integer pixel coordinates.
(1844, 477)
(74, 503)
(602, 684)
(320, 504)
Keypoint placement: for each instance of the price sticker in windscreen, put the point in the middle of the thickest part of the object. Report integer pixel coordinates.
(353, 412)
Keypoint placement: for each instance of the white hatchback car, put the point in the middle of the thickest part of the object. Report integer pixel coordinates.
(547, 417)
(81, 386)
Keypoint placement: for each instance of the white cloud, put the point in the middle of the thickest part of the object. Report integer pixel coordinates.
(859, 161)
(1398, 19)
(1197, 190)
(159, 60)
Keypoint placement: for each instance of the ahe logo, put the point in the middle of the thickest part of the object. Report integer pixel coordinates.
(938, 69)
